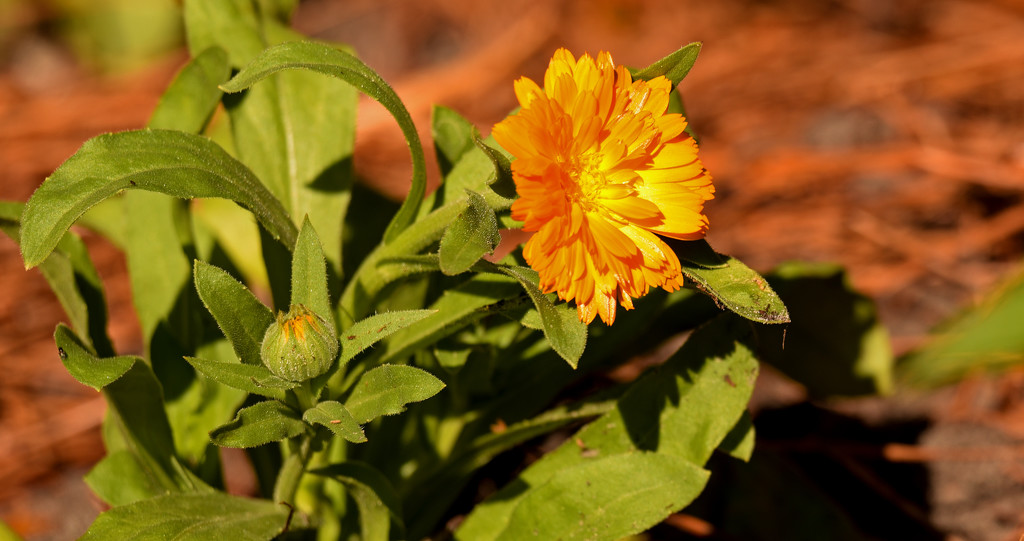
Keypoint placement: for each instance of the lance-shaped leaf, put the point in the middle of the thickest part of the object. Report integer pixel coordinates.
(165, 161)
(330, 61)
(373, 329)
(240, 315)
(256, 379)
(258, 424)
(453, 136)
(120, 478)
(193, 95)
(72, 278)
(473, 234)
(183, 517)
(309, 274)
(674, 66)
(501, 182)
(135, 399)
(387, 389)
(379, 508)
(562, 326)
(730, 283)
(337, 418)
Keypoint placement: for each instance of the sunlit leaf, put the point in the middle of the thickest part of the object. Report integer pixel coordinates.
(165, 161)
(337, 418)
(195, 517)
(240, 315)
(473, 234)
(387, 389)
(256, 379)
(258, 424)
(674, 66)
(562, 326)
(730, 283)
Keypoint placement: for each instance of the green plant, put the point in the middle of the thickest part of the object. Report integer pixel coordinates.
(400, 361)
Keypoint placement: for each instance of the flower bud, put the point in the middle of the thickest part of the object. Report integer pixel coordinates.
(299, 345)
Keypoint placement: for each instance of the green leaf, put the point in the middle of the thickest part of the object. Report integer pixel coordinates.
(456, 308)
(379, 508)
(739, 442)
(985, 338)
(193, 95)
(86, 367)
(258, 424)
(195, 517)
(165, 161)
(674, 66)
(375, 328)
(120, 479)
(73, 279)
(309, 274)
(330, 61)
(835, 345)
(386, 390)
(337, 418)
(256, 379)
(240, 315)
(502, 182)
(606, 498)
(473, 234)
(453, 137)
(135, 401)
(562, 326)
(730, 283)
(666, 412)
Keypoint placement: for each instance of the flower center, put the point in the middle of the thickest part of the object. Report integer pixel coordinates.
(588, 178)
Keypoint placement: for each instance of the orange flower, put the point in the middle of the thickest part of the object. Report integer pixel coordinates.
(601, 170)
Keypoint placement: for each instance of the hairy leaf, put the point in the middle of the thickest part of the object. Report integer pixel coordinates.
(387, 389)
(258, 424)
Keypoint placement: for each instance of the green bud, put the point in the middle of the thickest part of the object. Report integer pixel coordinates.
(299, 345)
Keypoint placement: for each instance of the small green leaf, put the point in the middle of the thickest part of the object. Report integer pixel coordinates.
(674, 66)
(240, 315)
(562, 326)
(373, 329)
(337, 418)
(730, 283)
(739, 442)
(193, 95)
(165, 161)
(86, 367)
(473, 234)
(251, 378)
(195, 517)
(309, 274)
(336, 63)
(605, 498)
(386, 390)
(256, 425)
(376, 499)
(835, 345)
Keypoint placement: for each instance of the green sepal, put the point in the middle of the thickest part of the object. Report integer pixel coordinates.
(261, 423)
(337, 418)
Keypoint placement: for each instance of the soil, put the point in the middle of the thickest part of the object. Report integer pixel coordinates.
(886, 136)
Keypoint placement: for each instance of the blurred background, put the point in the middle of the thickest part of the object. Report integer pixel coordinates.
(887, 136)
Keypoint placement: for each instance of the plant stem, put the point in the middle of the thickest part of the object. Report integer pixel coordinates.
(292, 469)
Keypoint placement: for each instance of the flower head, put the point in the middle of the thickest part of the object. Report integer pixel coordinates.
(601, 171)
